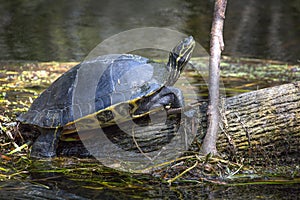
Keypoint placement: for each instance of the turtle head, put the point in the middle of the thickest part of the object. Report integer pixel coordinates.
(179, 57)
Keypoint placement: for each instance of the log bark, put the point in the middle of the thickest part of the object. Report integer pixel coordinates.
(262, 126)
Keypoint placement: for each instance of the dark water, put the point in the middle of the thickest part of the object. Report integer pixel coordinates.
(25, 190)
(90, 180)
(64, 30)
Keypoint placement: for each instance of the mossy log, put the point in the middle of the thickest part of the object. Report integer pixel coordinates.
(262, 126)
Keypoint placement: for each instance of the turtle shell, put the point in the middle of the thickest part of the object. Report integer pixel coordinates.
(107, 88)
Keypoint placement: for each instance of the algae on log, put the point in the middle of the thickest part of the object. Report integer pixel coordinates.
(262, 126)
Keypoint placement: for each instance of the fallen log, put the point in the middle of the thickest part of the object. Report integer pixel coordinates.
(257, 128)
(262, 126)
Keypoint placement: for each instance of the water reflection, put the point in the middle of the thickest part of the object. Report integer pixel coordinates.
(263, 29)
(68, 30)
(64, 188)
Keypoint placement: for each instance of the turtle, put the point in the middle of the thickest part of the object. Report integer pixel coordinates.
(104, 91)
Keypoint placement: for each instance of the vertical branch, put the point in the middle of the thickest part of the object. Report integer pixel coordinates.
(216, 48)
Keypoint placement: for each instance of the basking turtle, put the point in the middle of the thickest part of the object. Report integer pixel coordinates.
(124, 86)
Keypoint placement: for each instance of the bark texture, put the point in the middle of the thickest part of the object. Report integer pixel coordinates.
(258, 128)
(262, 125)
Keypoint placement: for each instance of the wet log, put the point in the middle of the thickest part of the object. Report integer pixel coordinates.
(262, 126)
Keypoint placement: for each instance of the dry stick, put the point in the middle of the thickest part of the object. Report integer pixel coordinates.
(216, 48)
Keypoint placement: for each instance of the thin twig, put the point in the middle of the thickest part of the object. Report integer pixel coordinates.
(184, 172)
(138, 146)
(216, 48)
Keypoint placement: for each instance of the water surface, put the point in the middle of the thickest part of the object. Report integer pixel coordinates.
(69, 30)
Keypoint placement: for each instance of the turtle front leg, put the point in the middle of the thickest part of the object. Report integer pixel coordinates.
(167, 97)
(46, 144)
